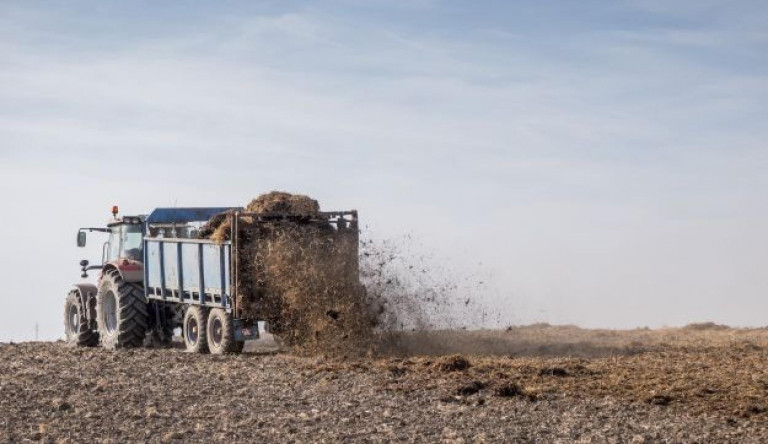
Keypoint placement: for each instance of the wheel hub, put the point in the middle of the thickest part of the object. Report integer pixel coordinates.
(216, 334)
(192, 333)
(73, 318)
(110, 312)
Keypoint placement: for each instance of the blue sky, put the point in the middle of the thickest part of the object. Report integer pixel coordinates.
(598, 163)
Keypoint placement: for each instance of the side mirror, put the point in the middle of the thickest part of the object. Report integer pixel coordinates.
(81, 238)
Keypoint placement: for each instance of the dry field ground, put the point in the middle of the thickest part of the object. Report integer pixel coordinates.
(528, 384)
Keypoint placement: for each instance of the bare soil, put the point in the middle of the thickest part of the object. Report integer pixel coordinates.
(537, 383)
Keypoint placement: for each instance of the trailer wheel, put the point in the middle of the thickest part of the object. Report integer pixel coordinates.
(77, 331)
(194, 329)
(121, 313)
(221, 333)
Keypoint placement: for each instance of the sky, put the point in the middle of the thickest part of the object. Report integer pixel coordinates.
(600, 163)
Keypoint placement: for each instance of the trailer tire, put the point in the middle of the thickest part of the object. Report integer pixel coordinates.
(221, 333)
(121, 313)
(194, 329)
(77, 331)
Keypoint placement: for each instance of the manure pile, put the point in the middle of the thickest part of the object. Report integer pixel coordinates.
(300, 274)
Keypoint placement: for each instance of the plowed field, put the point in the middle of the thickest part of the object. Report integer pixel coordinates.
(540, 383)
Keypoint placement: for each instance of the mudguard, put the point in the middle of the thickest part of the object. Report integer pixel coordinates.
(129, 270)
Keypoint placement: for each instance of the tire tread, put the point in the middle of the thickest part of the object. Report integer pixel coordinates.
(84, 336)
(132, 316)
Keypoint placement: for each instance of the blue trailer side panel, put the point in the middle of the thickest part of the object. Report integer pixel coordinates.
(152, 256)
(190, 266)
(169, 265)
(212, 269)
(189, 271)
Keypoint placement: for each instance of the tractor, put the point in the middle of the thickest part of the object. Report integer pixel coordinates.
(117, 312)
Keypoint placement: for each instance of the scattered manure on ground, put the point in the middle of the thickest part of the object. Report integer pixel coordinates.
(554, 371)
(453, 363)
(470, 388)
(508, 390)
(661, 399)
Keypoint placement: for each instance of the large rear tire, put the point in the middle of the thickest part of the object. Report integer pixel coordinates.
(221, 333)
(121, 313)
(194, 329)
(77, 332)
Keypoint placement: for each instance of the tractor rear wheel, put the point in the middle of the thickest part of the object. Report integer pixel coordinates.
(121, 313)
(194, 329)
(221, 333)
(77, 331)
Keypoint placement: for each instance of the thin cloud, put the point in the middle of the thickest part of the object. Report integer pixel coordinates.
(572, 164)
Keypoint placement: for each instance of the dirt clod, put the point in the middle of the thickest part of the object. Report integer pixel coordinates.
(453, 363)
(509, 390)
(470, 388)
(554, 371)
(61, 405)
(660, 399)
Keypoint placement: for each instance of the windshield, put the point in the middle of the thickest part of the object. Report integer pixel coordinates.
(131, 248)
(114, 244)
(125, 242)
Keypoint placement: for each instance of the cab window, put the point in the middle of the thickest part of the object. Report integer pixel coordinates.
(113, 252)
(131, 242)
(125, 242)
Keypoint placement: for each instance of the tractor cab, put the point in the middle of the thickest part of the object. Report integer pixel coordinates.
(125, 239)
(123, 248)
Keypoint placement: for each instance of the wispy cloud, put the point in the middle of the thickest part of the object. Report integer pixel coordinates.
(570, 149)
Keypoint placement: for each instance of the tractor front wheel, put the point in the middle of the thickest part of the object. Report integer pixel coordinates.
(77, 330)
(121, 313)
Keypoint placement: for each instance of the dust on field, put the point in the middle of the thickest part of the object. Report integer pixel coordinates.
(704, 371)
(544, 340)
